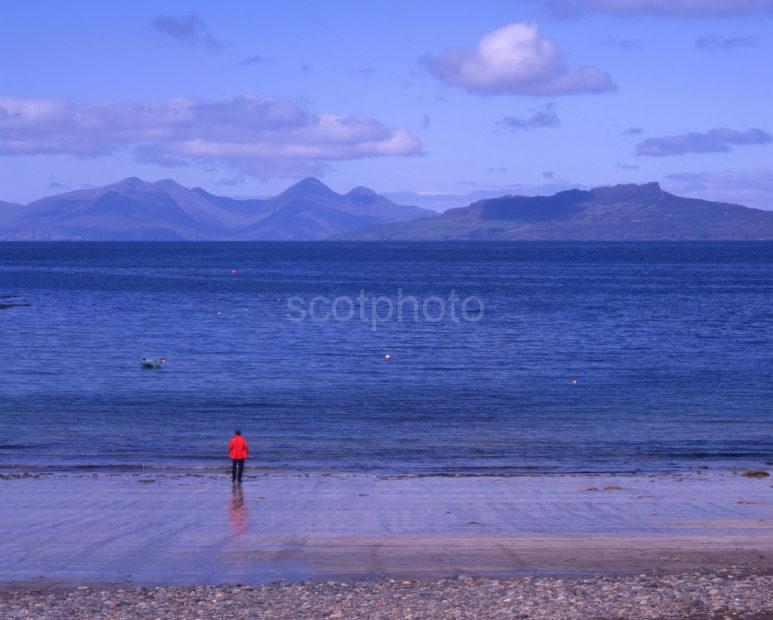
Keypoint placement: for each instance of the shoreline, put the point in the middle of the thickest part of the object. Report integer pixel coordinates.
(16, 470)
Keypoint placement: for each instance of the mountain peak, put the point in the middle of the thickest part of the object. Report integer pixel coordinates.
(308, 187)
(168, 184)
(361, 192)
(628, 191)
(130, 182)
(310, 183)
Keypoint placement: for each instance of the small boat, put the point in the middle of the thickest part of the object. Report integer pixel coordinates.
(151, 362)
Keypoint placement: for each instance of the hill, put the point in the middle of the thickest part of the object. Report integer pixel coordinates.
(622, 212)
(311, 210)
(136, 210)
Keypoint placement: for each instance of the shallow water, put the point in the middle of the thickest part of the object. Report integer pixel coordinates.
(669, 345)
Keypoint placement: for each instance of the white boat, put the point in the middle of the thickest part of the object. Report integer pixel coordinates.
(152, 362)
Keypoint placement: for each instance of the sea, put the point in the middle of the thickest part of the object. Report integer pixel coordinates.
(418, 358)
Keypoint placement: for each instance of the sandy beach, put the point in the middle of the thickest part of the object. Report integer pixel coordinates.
(123, 531)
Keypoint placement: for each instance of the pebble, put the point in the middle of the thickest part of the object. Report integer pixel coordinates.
(691, 595)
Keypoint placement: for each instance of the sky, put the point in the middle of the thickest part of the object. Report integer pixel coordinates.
(423, 98)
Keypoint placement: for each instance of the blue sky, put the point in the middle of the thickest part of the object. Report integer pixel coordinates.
(246, 97)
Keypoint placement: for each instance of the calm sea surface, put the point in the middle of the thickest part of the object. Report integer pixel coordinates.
(588, 357)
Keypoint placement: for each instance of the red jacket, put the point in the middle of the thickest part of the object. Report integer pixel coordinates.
(237, 447)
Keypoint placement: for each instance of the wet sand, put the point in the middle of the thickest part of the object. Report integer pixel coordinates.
(150, 529)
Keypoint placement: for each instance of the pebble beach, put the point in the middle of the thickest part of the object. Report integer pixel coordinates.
(725, 594)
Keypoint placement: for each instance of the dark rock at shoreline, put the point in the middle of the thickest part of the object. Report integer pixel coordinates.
(755, 473)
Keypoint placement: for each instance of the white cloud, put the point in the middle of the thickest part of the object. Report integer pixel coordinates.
(515, 59)
(253, 134)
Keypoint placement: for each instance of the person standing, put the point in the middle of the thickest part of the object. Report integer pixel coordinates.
(238, 451)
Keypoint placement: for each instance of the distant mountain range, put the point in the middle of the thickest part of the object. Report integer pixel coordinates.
(135, 210)
(623, 212)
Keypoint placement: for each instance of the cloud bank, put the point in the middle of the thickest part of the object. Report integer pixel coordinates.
(683, 8)
(719, 140)
(253, 134)
(515, 59)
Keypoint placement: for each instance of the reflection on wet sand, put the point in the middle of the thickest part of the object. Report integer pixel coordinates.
(237, 511)
(238, 516)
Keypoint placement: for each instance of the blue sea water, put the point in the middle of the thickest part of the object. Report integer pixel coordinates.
(587, 357)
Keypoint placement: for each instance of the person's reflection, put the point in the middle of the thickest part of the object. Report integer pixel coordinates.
(237, 512)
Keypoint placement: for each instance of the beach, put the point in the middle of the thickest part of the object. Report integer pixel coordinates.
(727, 594)
(190, 535)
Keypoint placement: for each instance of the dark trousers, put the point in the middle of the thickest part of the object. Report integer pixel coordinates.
(237, 469)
